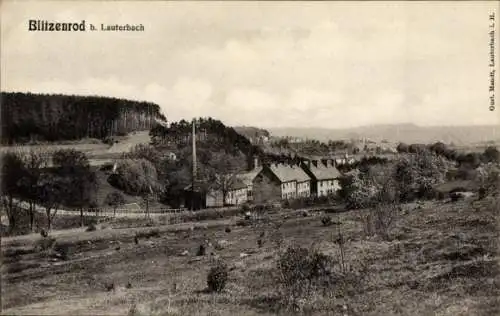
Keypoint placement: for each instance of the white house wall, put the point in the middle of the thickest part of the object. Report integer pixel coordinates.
(327, 187)
(289, 190)
(237, 197)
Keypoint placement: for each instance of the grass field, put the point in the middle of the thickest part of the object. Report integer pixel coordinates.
(93, 148)
(441, 259)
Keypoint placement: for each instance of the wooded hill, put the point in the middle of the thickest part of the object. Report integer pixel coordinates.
(26, 117)
(209, 131)
(251, 132)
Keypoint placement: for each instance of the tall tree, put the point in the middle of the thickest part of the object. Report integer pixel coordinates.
(114, 199)
(33, 162)
(12, 167)
(52, 191)
(74, 169)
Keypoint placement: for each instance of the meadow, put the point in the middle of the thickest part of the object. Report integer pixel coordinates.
(438, 258)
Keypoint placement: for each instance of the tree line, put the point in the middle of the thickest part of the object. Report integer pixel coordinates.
(470, 160)
(28, 177)
(211, 131)
(54, 117)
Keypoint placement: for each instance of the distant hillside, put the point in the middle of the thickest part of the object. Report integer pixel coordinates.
(408, 133)
(250, 132)
(26, 117)
(211, 133)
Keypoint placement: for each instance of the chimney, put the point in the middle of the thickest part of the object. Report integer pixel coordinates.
(324, 162)
(255, 162)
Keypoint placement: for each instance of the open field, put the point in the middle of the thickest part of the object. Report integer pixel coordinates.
(94, 149)
(441, 259)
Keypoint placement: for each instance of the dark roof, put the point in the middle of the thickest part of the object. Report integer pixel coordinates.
(248, 177)
(197, 187)
(322, 172)
(237, 184)
(287, 173)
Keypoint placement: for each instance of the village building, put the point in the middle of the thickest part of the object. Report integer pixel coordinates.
(195, 199)
(248, 178)
(324, 176)
(237, 192)
(281, 182)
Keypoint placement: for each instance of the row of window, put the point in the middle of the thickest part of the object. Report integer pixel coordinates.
(293, 184)
(328, 192)
(325, 183)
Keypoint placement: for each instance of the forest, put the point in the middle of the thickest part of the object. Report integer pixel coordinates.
(28, 117)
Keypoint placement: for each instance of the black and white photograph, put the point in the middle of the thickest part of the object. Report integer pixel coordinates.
(249, 158)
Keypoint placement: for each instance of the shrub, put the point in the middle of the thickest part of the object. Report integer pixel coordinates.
(416, 174)
(301, 270)
(441, 195)
(217, 277)
(63, 250)
(201, 250)
(135, 176)
(45, 243)
(260, 242)
(491, 154)
(245, 208)
(482, 193)
(455, 196)
(285, 204)
(149, 233)
(91, 227)
(326, 220)
(379, 220)
(458, 189)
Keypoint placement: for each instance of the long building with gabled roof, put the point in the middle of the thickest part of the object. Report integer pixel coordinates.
(281, 182)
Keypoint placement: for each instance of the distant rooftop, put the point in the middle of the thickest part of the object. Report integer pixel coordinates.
(248, 177)
(287, 173)
(322, 172)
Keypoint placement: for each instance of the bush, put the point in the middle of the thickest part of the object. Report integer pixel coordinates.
(217, 277)
(455, 196)
(441, 195)
(260, 242)
(416, 174)
(149, 233)
(45, 243)
(63, 250)
(135, 176)
(245, 208)
(285, 204)
(91, 227)
(326, 220)
(301, 270)
(201, 250)
(482, 193)
(491, 154)
(379, 220)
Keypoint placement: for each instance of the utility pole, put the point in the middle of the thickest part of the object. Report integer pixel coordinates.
(194, 166)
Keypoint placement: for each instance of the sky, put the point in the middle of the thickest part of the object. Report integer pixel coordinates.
(266, 64)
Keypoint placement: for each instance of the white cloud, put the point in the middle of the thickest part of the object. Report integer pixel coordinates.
(276, 64)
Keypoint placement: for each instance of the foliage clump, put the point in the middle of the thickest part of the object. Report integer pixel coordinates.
(217, 277)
